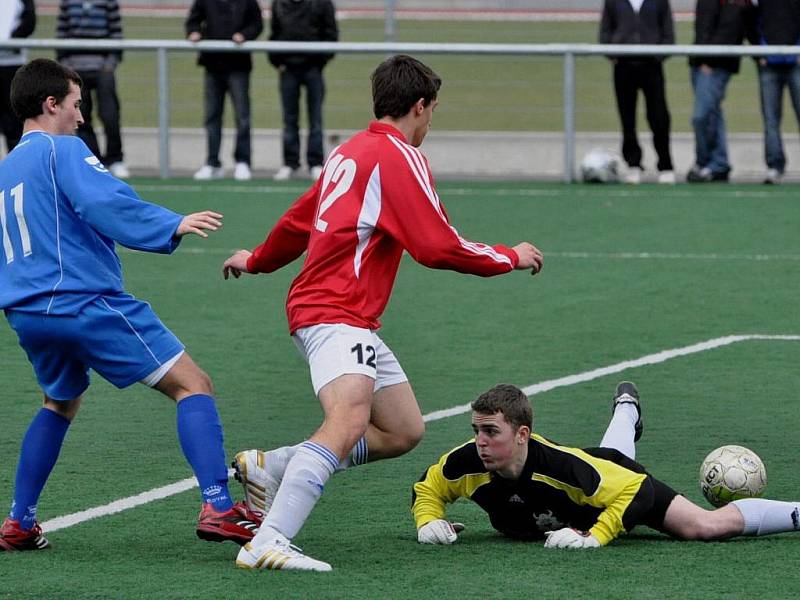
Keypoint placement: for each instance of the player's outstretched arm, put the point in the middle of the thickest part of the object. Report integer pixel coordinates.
(530, 257)
(236, 264)
(198, 223)
(439, 531)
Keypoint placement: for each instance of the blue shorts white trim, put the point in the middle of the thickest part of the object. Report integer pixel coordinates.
(118, 336)
(332, 350)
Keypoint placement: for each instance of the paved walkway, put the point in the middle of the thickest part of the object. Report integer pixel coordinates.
(459, 154)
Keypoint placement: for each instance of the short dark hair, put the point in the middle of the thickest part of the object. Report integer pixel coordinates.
(508, 400)
(398, 83)
(37, 81)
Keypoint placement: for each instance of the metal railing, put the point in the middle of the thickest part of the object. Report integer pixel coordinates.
(569, 52)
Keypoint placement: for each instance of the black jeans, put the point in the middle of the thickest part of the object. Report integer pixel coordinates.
(291, 79)
(10, 125)
(648, 76)
(105, 88)
(237, 84)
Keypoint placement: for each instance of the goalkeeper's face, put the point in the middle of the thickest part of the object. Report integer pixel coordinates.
(501, 446)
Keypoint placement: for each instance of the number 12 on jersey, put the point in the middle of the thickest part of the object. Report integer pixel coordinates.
(341, 171)
(24, 234)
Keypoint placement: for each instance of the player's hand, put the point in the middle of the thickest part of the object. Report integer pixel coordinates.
(197, 223)
(530, 257)
(439, 531)
(236, 264)
(570, 538)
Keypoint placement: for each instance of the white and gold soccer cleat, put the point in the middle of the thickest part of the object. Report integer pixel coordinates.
(260, 486)
(277, 555)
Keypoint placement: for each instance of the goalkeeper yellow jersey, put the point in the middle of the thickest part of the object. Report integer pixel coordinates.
(559, 487)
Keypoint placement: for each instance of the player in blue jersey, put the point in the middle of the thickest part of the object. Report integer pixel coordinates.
(61, 213)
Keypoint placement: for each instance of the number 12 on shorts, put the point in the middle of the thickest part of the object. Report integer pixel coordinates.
(359, 349)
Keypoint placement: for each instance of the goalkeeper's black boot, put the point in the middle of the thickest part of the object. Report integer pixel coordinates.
(627, 393)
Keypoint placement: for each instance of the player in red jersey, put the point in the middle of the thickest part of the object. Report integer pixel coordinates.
(376, 198)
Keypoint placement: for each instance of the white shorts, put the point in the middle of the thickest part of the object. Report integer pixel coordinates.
(334, 350)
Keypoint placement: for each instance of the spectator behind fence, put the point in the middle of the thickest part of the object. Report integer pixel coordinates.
(721, 22)
(308, 21)
(17, 20)
(95, 20)
(640, 22)
(778, 24)
(226, 72)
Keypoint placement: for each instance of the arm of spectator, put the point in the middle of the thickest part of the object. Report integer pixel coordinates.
(194, 21)
(274, 36)
(253, 21)
(667, 24)
(27, 20)
(607, 24)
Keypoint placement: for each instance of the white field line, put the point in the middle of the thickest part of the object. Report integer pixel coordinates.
(532, 390)
(573, 255)
(445, 192)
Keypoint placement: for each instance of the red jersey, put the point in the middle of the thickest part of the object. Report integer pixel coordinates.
(374, 199)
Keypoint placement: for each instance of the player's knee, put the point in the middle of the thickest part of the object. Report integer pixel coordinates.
(705, 528)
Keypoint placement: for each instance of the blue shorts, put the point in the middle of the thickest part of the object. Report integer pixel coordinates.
(118, 336)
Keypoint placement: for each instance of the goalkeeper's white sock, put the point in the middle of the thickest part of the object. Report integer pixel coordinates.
(620, 431)
(301, 488)
(762, 517)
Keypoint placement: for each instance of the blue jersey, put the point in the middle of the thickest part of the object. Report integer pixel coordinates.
(61, 213)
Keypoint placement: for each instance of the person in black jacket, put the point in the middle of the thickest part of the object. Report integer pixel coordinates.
(19, 22)
(640, 22)
(779, 24)
(307, 21)
(226, 72)
(722, 22)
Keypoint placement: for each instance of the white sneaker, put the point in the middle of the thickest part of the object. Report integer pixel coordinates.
(277, 554)
(773, 176)
(119, 170)
(634, 176)
(242, 172)
(207, 172)
(260, 486)
(315, 172)
(283, 174)
(667, 177)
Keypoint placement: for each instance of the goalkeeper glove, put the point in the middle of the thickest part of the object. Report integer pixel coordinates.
(439, 531)
(570, 538)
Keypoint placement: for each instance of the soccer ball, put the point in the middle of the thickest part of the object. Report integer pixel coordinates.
(600, 166)
(730, 473)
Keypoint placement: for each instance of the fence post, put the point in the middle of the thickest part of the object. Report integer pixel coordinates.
(390, 24)
(569, 117)
(163, 113)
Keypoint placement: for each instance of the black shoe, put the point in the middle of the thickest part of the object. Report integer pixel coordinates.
(699, 175)
(627, 393)
(721, 176)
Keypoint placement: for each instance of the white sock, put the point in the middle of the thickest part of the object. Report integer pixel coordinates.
(277, 459)
(762, 517)
(359, 455)
(301, 488)
(620, 432)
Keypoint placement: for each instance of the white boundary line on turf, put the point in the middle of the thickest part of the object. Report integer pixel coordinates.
(532, 390)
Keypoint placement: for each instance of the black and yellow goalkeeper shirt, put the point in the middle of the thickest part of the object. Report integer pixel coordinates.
(558, 487)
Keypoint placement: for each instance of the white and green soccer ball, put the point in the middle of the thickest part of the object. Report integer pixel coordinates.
(731, 473)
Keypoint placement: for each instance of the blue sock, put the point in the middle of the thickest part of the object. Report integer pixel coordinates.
(200, 434)
(37, 457)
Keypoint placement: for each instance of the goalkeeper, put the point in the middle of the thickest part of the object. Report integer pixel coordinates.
(535, 489)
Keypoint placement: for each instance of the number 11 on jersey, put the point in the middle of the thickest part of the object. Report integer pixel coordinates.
(25, 236)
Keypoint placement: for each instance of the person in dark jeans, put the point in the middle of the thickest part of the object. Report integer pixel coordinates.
(302, 20)
(95, 20)
(20, 23)
(779, 24)
(640, 22)
(719, 22)
(237, 20)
